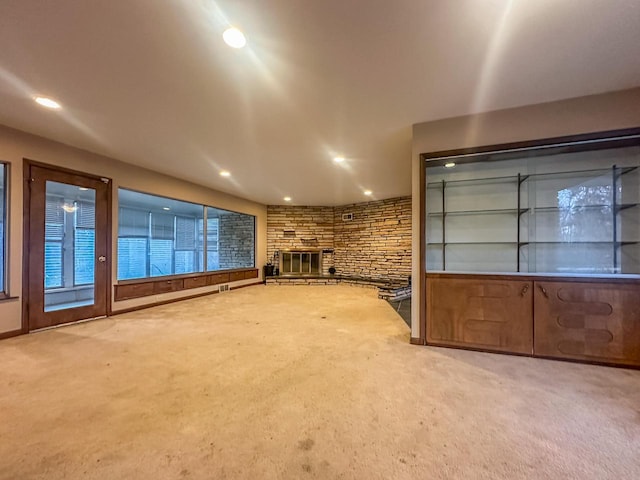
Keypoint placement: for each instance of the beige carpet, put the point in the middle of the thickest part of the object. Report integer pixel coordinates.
(300, 382)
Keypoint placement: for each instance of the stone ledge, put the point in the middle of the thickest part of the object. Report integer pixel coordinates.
(387, 289)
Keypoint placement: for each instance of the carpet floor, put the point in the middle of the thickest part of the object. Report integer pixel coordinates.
(289, 382)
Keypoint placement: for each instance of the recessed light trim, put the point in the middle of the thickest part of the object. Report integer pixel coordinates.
(225, 173)
(338, 159)
(287, 199)
(47, 102)
(449, 164)
(234, 37)
(368, 192)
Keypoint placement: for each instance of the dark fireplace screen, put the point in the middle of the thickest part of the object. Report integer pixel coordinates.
(300, 263)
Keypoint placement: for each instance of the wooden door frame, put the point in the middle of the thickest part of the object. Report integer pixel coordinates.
(26, 231)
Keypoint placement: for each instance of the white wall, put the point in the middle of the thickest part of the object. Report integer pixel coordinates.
(15, 146)
(595, 113)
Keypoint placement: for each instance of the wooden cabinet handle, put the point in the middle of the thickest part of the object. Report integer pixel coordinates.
(524, 290)
(544, 291)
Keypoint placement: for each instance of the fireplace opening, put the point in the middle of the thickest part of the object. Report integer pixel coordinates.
(301, 263)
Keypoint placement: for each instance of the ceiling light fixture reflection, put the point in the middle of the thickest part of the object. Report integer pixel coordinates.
(47, 102)
(338, 159)
(234, 38)
(287, 199)
(166, 208)
(70, 208)
(84, 189)
(225, 173)
(367, 192)
(449, 165)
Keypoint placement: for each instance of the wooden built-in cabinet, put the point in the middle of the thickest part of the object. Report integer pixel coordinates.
(142, 288)
(476, 313)
(588, 321)
(565, 318)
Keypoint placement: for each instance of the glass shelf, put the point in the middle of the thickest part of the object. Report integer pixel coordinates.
(565, 209)
(447, 244)
(498, 211)
(474, 181)
(593, 205)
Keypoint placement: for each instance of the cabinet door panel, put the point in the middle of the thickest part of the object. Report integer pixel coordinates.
(588, 321)
(477, 313)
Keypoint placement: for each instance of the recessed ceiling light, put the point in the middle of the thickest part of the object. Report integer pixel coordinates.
(338, 159)
(287, 199)
(166, 208)
(449, 165)
(47, 102)
(234, 38)
(367, 192)
(224, 173)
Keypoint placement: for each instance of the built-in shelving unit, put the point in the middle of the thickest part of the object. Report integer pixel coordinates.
(534, 248)
(531, 219)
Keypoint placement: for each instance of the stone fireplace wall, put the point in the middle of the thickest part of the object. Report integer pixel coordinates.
(375, 244)
(300, 228)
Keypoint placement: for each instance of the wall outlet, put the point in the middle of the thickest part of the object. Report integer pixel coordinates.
(347, 217)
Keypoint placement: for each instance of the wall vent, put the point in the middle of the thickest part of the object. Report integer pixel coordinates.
(346, 217)
(223, 288)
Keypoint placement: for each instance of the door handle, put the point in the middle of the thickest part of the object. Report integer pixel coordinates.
(544, 291)
(102, 258)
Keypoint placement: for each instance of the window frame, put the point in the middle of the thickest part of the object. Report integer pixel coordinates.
(4, 237)
(203, 246)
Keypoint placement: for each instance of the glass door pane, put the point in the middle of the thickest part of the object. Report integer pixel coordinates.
(70, 246)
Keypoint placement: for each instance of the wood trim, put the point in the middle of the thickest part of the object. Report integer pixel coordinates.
(247, 285)
(588, 362)
(481, 350)
(173, 300)
(12, 333)
(610, 138)
(26, 234)
(32, 276)
(417, 341)
(69, 171)
(422, 257)
(162, 302)
(109, 246)
(628, 280)
(131, 289)
(182, 276)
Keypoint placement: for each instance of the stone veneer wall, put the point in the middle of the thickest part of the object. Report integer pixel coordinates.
(236, 237)
(375, 244)
(304, 228)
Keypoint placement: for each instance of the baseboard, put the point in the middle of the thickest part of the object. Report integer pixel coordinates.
(11, 333)
(417, 341)
(247, 285)
(173, 300)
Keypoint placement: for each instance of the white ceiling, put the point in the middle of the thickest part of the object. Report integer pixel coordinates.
(150, 82)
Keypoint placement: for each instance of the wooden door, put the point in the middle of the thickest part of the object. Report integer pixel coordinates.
(67, 269)
(486, 314)
(598, 322)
